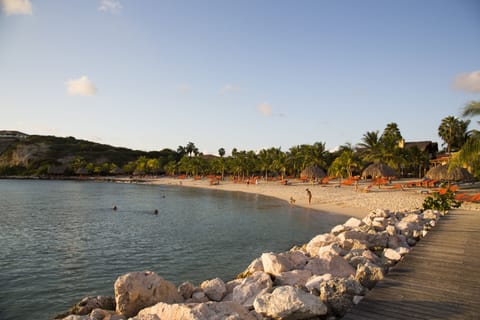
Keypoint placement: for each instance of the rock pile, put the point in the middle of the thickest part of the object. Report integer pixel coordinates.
(323, 279)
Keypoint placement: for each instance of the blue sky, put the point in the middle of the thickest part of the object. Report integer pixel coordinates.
(153, 74)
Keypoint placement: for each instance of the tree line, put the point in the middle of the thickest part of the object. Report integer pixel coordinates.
(348, 160)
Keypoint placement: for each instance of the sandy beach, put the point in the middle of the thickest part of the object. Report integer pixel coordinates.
(327, 198)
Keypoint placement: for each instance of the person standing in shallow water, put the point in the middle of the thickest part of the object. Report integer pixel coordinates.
(309, 195)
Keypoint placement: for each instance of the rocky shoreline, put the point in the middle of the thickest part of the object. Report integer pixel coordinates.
(322, 279)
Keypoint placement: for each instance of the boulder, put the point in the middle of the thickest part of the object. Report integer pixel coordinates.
(369, 274)
(353, 235)
(318, 242)
(430, 215)
(297, 258)
(333, 264)
(89, 303)
(313, 283)
(338, 229)
(379, 223)
(332, 248)
(293, 278)
(391, 230)
(186, 290)
(246, 292)
(137, 290)
(377, 240)
(353, 223)
(391, 254)
(99, 314)
(198, 296)
(412, 217)
(289, 303)
(214, 289)
(195, 311)
(275, 263)
(254, 266)
(397, 241)
(337, 295)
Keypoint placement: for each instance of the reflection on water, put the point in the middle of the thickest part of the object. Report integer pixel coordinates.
(60, 240)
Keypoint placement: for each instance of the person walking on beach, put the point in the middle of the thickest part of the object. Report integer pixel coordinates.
(309, 195)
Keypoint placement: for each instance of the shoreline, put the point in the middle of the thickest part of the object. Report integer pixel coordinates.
(330, 198)
(325, 198)
(344, 200)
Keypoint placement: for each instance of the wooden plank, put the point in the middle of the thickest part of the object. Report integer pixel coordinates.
(438, 279)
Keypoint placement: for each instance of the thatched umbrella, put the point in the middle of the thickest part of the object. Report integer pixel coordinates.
(379, 169)
(455, 174)
(313, 172)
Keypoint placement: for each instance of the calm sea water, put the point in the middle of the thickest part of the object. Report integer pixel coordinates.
(60, 240)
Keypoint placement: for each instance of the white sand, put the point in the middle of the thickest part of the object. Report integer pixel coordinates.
(344, 200)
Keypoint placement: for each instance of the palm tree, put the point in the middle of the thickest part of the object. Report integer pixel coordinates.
(471, 109)
(344, 164)
(370, 147)
(221, 153)
(470, 152)
(170, 167)
(191, 148)
(454, 132)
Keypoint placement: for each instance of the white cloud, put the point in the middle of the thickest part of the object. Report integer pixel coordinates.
(228, 88)
(265, 109)
(469, 82)
(81, 87)
(11, 7)
(112, 6)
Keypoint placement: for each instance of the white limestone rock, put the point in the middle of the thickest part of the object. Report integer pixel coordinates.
(289, 303)
(313, 283)
(254, 266)
(250, 287)
(275, 263)
(214, 289)
(195, 311)
(333, 264)
(353, 223)
(297, 258)
(391, 230)
(332, 248)
(293, 278)
(353, 235)
(391, 254)
(431, 215)
(338, 229)
(320, 241)
(137, 290)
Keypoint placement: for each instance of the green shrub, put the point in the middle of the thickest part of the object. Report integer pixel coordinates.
(441, 202)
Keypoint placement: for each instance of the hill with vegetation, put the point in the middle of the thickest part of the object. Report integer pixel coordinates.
(22, 154)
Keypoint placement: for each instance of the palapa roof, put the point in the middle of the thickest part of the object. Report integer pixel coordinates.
(313, 172)
(378, 170)
(455, 174)
(422, 145)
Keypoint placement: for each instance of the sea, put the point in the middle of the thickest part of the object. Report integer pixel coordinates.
(61, 241)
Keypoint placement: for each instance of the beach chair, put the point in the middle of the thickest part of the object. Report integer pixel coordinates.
(475, 198)
(367, 188)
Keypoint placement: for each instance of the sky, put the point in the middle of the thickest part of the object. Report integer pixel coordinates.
(245, 74)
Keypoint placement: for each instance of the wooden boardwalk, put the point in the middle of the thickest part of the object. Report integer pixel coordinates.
(438, 279)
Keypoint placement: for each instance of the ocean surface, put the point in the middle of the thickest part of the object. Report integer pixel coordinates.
(61, 240)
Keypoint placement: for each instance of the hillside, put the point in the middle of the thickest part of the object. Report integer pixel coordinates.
(23, 154)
